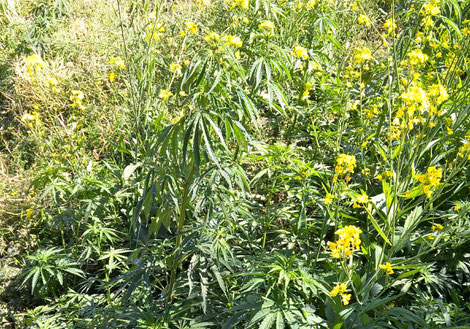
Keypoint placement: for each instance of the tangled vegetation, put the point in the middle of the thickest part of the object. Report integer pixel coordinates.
(235, 164)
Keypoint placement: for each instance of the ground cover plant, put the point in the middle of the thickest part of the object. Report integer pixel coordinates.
(235, 164)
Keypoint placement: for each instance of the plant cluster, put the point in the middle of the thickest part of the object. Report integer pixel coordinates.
(241, 163)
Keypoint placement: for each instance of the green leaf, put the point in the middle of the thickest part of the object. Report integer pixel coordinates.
(129, 170)
(279, 321)
(268, 321)
(379, 230)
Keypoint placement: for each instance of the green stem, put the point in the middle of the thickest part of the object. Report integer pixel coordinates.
(179, 229)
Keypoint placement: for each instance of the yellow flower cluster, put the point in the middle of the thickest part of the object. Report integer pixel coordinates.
(266, 25)
(345, 164)
(364, 20)
(386, 174)
(118, 61)
(52, 83)
(165, 94)
(417, 101)
(154, 32)
(437, 227)
(417, 57)
(464, 151)
(306, 93)
(430, 179)
(77, 98)
(310, 4)
(329, 198)
(237, 3)
(340, 289)
(234, 41)
(387, 267)
(348, 241)
(300, 52)
(213, 36)
(415, 98)
(176, 68)
(389, 25)
(439, 92)
(429, 10)
(362, 55)
(33, 64)
(361, 199)
(31, 119)
(29, 213)
(192, 27)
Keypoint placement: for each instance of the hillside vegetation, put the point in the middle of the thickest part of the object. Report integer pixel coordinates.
(234, 164)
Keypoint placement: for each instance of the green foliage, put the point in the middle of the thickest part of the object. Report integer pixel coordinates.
(49, 271)
(242, 164)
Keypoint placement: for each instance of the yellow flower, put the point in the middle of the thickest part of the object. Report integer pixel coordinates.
(439, 92)
(362, 198)
(348, 241)
(430, 180)
(345, 298)
(431, 9)
(234, 41)
(175, 68)
(234, 3)
(191, 27)
(309, 4)
(329, 198)
(112, 76)
(266, 25)
(29, 213)
(345, 164)
(389, 25)
(154, 32)
(52, 82)
(118, 61)
(33, 64)
(386, 174)
(212, 36)
(387, 267)
(417, 57)
(165, 94)
(362, 54)
(338, 289)
(31, 119)
(437, 227)
(364, 20)
(416, 99)
(300, 52)
(77, 98)
(457, 207)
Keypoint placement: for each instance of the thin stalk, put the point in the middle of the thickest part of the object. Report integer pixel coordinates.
(179, 230)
